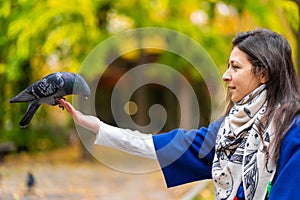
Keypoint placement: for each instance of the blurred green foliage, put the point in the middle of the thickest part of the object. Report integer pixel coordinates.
(42, 36)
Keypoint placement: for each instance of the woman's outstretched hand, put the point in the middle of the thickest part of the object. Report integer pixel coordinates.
(87, 121)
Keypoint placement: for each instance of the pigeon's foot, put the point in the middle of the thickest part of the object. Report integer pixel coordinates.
(57, 101)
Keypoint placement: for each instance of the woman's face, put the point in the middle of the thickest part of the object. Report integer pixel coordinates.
(239, 77)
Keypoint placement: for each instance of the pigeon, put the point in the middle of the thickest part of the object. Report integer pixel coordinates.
(47, 90)
(30, 181)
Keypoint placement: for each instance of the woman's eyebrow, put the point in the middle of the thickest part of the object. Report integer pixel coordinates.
(233, 62)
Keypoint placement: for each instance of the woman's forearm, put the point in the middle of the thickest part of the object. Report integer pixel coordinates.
(132, 142)
(89, 122)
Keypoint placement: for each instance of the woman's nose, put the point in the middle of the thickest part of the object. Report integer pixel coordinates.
(226, 76)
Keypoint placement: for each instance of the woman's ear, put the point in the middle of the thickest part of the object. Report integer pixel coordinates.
(264, 78)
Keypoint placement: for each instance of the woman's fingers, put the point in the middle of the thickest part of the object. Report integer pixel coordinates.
(66, 105)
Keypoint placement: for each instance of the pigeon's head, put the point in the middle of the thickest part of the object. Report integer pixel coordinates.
(81, 87)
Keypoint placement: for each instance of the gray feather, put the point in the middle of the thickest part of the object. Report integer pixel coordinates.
(23, 96)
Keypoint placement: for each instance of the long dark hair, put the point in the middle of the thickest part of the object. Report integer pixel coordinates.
(270, 55)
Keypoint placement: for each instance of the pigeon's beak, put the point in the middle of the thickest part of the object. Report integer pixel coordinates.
(85, 98)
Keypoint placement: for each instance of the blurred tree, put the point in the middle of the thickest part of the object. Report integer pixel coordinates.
(295, 24)
(39, 37)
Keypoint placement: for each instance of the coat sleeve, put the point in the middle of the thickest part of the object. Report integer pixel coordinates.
(286, 180)
(186, 156)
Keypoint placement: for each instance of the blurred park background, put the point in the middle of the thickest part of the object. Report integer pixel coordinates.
(41, 37)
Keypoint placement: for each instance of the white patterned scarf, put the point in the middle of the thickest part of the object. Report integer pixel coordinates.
(240, 152)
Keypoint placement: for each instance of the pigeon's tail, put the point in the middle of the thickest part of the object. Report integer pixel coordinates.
(32, 108)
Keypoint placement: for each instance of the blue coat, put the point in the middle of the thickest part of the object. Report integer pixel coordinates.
(186, 156)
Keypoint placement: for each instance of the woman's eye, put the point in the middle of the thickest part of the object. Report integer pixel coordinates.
(234, 67)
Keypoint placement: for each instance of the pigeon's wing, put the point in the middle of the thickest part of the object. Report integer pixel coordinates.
(48, 86)
(24, 96)
(32, 108)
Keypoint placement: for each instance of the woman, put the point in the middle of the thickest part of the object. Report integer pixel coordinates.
(253, 151)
